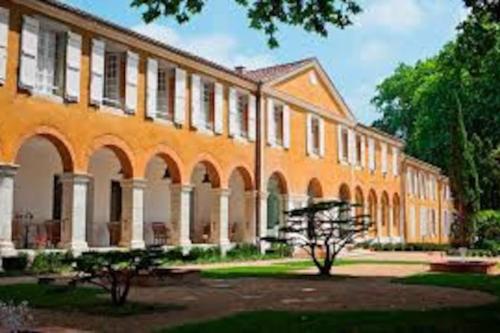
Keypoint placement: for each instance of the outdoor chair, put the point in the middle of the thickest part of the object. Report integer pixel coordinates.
(53, 232)
(160, 233)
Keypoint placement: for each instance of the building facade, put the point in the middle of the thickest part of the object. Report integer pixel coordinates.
(111, 139)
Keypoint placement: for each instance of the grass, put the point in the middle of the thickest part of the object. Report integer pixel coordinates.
(457, 320)
(83, 299)
(286, 269)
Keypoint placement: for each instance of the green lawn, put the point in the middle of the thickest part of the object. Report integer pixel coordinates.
(62, 298)
(284, 270)
(458, 320)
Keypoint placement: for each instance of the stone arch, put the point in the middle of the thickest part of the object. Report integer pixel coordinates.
(344, 193)
(359, 200)
(280, 181)
(212, 167)
(314, 189)
(373, 211)
(245, 174)
(396, 216)
(60, 142)
(385, 206)
(119, 148)
(171, 159)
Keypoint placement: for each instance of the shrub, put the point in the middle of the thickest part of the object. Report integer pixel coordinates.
(243, 252)
(175, 254)
(487, 228)
(204, 254)
(51, 262)
(15, 264)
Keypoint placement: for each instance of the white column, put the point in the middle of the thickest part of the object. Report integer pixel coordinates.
(181, 214)
(7, 173)
(220, 215)
(132, 224)
(74, 212)
(379, 220)
(391, 221)
(262, 197)
(366, 211)
(250, 228)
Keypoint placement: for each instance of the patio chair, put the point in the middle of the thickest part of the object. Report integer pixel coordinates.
(53, 232)
(160, 233)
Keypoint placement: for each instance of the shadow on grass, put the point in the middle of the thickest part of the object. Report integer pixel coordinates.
(83, 299)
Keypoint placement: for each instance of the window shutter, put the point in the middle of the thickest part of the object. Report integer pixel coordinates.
(383, 148)
(4, 42)
(413, 219)
(363, 151)
(29, 52)
(152, 89)
(97, 75)
(321, 138)
(180, 96)
(233, 109)
(395, 161)
(73, 66)
(131, 83)
(271, 127)
(351, 157)
(195, 100)
(340, 145)
(219, 110)
(371, 154)
(252, 117)
(286, 127)
(309, 136)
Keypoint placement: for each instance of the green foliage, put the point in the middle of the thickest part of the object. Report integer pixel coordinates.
(420, 104)
(487, 229)
(51, 262)
(200, 254)
(425, 247)
(263, 15)
(244, 252)
(15, 264)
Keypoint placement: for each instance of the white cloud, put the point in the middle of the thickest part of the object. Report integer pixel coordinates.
(374, 51)
(220, 48)
(394, 15)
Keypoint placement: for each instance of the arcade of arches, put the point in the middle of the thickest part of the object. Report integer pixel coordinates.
(107, 207)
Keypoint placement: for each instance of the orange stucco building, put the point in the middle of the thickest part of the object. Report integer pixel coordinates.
(109, 138)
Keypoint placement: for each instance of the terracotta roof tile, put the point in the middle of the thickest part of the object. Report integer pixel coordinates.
(269, 73)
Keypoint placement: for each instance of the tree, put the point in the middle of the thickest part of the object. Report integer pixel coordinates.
(113, 271)
(322, 229)
(264, 15)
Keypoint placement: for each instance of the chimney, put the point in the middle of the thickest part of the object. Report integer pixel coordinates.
(240, 69)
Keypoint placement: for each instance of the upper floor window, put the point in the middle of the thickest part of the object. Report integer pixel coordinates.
(165, 93)
(242, 114)
(345, 144)
(50, 60)
(114, 70)
(359, 150)
(278, 121)
(315, 134)
(207, 104)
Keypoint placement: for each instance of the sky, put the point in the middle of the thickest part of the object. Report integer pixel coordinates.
(387, 33)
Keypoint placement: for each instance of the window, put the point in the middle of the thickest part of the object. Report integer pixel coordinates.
(315, 133)
(114, 70)
(165, 94)
(207, 104)
(242, 114)
(345, 144)
(278, 121)
(359, 150)
(50, 61)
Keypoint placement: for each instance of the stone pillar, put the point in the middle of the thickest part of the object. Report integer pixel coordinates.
(262, 197)
(7, 173)
(74, 211)
(181, 214)
(390, 222)
(220, 216)
(250, 228)
(366, 211)
(132, 223)
(379, 221)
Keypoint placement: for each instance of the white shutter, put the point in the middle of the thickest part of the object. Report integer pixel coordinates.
(371, 154)
(340, 144)
(395, 161)
(195, 100)
(29, 52)
(252, 117)
(152, 89)
(350, 144)
(4, 42)
(180, 96)
(309, 136)
(73, 66)
(97, 75)
(363, 151)
(132, 78)
(321, 138)
(233, 110)
(383, 165)
(286, 126)
(413, 220)
(271, 127)
(218, 107)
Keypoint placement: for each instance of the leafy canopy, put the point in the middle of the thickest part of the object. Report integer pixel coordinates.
(263, 15)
